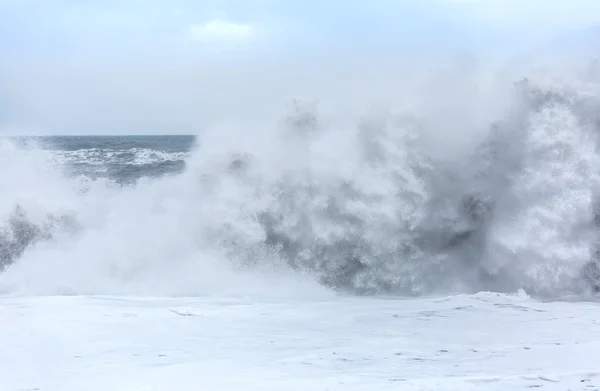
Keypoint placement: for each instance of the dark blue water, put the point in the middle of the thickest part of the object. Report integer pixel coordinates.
(124, 159)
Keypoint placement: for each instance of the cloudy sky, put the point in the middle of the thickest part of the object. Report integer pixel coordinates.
(148, 66)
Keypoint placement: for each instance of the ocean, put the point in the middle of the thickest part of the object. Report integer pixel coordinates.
(371, 209)
(123, 159)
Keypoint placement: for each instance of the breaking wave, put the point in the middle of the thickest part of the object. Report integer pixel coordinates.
(312, 204)
(134, 156)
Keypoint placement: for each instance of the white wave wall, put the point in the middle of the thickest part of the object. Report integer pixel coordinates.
(361, 199)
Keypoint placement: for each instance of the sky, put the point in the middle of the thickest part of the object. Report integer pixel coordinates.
(135, 66)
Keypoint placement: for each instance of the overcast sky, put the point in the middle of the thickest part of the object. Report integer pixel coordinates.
(176, 66)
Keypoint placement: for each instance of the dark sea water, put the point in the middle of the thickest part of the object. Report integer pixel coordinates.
(123, 159)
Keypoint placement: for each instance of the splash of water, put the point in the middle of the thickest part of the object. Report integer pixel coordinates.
(312, 204)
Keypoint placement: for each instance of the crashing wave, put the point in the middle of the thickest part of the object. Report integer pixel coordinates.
(19, 233)
(368, 209)
(405, 223)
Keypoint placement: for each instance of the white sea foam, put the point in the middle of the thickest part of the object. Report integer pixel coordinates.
(364, 202)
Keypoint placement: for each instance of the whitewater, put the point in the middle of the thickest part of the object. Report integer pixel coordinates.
(386, 248)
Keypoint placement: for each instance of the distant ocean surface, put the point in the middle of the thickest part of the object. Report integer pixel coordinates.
(123, 159)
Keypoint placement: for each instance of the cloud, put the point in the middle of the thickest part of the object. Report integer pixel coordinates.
(161, 25)
(218, 30)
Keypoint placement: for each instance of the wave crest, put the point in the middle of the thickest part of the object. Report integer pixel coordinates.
(370, 208)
